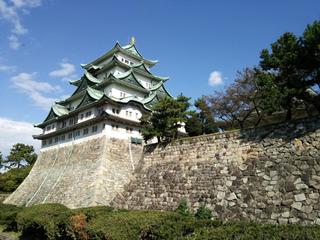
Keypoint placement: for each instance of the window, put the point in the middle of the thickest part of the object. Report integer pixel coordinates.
(49, 128)
(77, 133)
(63, 137)
(127, 113)
(103, 126)
(81, 116)
(44, 142)
(71, 121)
(122, 94)
(88, 114)
(115, 111)
(85, 131)
(69, 135)
(100, 110)
(130, 114)
(64, 124)
(50, 141)
(56, 139)
(94, 128)
(127, 129)
(115, 127)
(126, 61)
(131, 129)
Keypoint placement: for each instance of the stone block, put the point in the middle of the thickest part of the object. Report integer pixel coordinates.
(300, 197)
(297, 205)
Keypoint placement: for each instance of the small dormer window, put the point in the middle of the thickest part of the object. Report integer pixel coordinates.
(122, 94)
(126, 61)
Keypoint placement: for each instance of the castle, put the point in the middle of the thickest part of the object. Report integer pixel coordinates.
(111, 96)
(91, 155)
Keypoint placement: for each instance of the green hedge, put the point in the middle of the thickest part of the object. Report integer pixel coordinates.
(55, 221)
(8, 215)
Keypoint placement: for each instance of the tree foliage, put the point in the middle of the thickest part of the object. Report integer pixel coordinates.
(167, 116)
(239, 101)
(10, 180)
(20, 155)
(19, 162)
(287, 81)
(201, 121)
(294, 64)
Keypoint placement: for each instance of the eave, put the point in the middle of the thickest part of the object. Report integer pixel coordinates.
(112, 79)
(116, 62)
(101, 101)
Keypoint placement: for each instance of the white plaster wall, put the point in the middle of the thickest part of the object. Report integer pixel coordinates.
(115, 91)
(135, 112)
(121, 56)
(83, 113)
(52, 129)
(107, 128)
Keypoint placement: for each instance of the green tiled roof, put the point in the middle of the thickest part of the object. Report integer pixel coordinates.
(131, 50)
(89, 87)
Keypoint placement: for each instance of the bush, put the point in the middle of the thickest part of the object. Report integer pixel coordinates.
(183, 208)
(140, 225)
(248, 230)
(203, 213)
(45, 221)
(8, 216)
(54, 221)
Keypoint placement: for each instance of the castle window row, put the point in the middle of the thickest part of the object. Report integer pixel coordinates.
(120, 130)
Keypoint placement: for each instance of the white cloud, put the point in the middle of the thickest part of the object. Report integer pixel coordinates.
(9, 12)
(26, 3)
(13, 132)
(7, 68)
(14, 42)
(215, 78)
(67, 70)
(34, 89)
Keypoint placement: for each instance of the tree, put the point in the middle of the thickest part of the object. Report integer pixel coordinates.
(239, 101)
(201, 121)
(294, 63)
(193, 124)
(20, 155)
(1, 160)
(167, 116)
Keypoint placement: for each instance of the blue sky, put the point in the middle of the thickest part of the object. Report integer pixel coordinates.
(43, 42)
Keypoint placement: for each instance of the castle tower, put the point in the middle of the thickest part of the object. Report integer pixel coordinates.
(91, 140)
(111, 96)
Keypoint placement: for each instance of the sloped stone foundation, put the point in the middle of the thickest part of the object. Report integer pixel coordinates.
(84, 174)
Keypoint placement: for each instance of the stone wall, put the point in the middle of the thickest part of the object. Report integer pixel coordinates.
(268, 174)
(84, 174)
